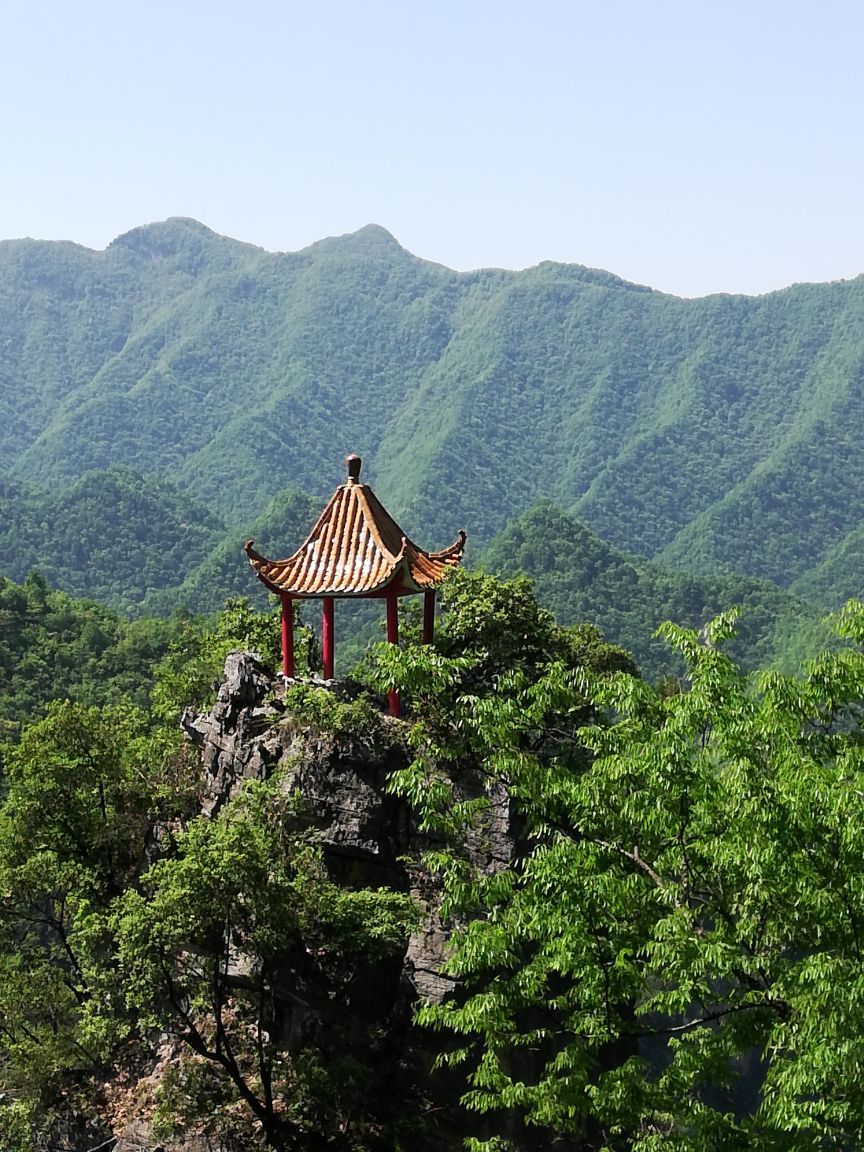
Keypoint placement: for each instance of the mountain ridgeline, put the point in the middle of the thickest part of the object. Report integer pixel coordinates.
(721, 433)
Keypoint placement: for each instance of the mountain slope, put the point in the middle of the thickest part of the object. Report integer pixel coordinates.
(720, 433)
(839, 576)
(582, 578)
(224, 572)
(114, 535)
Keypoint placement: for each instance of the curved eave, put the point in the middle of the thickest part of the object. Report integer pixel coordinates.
(302, 577)
(356, 548)
(426, 570)
(308, 576)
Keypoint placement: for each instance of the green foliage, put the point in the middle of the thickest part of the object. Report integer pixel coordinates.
(114, 535)
(496, 649)
(54, 647)
(502, 624)
(580, 577)
(78, 807)
(358, 720)
(490, 632)
(719, 435)
(674, 961)
(235, 932)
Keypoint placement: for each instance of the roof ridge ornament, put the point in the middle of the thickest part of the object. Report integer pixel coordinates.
(353, 463)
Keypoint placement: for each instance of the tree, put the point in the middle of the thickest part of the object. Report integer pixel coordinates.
(234, 943)
(241, 948)
(674, 959)
(73, 826)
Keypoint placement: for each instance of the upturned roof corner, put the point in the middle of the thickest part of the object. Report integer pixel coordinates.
(355, 548)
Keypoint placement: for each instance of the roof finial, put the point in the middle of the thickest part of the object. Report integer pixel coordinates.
(353, 463)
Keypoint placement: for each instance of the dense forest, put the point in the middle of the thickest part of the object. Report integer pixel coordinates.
(720, 434)
(600, 887)
(137, 544)
(582, 578)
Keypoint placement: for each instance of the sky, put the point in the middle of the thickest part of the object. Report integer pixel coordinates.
(695, 147)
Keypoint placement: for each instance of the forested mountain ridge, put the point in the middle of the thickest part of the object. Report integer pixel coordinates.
(580, 577)
(721, 433)
(114, 535)
(143, 547)
(138, 543)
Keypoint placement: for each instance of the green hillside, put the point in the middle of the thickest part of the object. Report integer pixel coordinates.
(582, 578)
(56, 647)
(139, 544)
(839, 576)
(715, 434)
(279, 530)
(115, 535)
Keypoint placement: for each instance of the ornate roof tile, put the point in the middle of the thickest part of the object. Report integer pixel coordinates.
(356, 548)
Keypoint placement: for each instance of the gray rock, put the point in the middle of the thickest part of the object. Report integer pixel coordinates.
(365, 833)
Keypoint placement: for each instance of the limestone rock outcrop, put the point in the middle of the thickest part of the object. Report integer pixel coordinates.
(366, 834)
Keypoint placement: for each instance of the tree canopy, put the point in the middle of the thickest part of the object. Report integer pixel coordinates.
(674, 961)
(667, 955)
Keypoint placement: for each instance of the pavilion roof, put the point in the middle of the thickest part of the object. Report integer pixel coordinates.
(356, 548)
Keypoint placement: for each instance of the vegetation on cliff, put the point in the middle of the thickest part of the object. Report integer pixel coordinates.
(674, 960)
(126, 916)
(667, 956)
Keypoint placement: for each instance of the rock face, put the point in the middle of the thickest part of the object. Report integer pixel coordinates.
(236, 739)
(365, 833)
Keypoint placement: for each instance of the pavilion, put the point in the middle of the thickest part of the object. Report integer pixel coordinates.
(355, 550)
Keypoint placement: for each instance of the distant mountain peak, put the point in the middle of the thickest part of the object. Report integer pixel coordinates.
(175, 228)
(376, 234)
(370, 240)
(178, 235)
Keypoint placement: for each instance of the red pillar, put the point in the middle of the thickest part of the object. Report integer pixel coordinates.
(327, 637)
(287, 633)
(393, 638)
(428, 615)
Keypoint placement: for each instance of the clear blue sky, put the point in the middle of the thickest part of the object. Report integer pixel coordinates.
(695, 147)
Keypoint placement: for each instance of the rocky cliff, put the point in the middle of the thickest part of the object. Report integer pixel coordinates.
(368, 838)
(366, 833)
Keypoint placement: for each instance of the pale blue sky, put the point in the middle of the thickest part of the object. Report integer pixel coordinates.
(695, 147)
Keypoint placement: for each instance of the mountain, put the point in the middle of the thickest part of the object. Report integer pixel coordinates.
(721, 434)
(224, 572)
(55, 647)
(582, 578)
(139, 544)
(114, 535)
